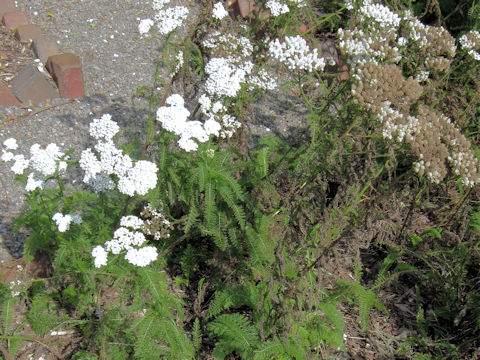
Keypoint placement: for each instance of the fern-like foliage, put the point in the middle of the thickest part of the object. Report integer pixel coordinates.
(271, 349)
(157, 333)
(474, 15)
(158, 337)
(43, 315)
(215, 200)
(261, 244)
(331, 328)
(197, 335)
(366, 300)
(232, 296)
(236, 333)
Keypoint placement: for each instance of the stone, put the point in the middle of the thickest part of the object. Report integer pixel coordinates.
(14, 19)
(44, 47)
(31, 85)
(27, 33)
(6, 97)
(243, 8)
(66, 70)
(6, 6)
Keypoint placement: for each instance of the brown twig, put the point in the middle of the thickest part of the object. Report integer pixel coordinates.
(44, 108)
(172, 245)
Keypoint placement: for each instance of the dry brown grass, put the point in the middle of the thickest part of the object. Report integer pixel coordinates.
(14, 56)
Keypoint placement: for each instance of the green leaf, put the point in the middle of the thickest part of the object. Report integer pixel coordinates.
(415, 239)
(271, 349)
(435, 233)
(227, 195)
(7, 313)
(235, 333)
(262, 161)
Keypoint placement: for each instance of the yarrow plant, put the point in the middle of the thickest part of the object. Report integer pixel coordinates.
(243, 229)
(381, 87)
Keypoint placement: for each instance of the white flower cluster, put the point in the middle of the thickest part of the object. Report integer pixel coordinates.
(436, 40)
(167, 19)
(179, 59)
(108, 160)
(394, 125)
(381, 15)
(422, 76)
(224, 77)
(129, 240)
(215, 112)
(15, 288)
(277, 8)
(461, 162)
(174, 118)
(170, 19)
(470, 42)
(263, 80)
(295, 54)
(145, 26)
(219, 11)
(376, 36)
(375, 39)
(42, 162)
(421, 167)
(236, 47)
(63, 221)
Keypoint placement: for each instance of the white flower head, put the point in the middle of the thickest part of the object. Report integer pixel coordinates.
(100, 256)
(224, 78)
(141, 178)
(145, 26)
(104, 128)
(10, 144)
(33, 182)
(277, 8)
(45, 160)
(295, 54)
(63, 221)
(141, 257)
(187, 144)
(132, 222)
(20, 164)
(7, 156)
(170, 19)
(219, 11)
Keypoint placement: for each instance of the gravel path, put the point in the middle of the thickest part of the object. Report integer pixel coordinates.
(115, 59)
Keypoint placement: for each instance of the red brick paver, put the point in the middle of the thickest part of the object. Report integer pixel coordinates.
(44, 47)
(6, 97)
(14, 19)
(31, 85)
(26, 33)
(6, 6)
(66, 70)
(243, 7)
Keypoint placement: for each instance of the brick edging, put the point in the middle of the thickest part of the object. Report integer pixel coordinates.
(30, 85)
